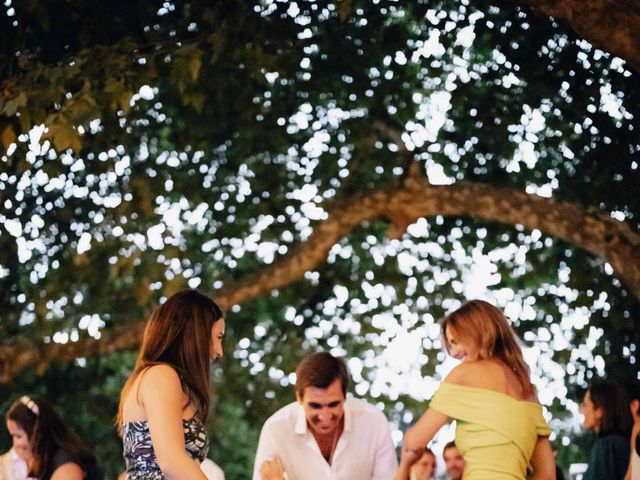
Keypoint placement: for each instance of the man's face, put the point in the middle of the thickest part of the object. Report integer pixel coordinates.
(323, 407)
(454, 463)
(424, 468)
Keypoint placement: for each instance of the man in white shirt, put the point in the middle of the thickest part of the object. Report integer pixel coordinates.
(325, 435)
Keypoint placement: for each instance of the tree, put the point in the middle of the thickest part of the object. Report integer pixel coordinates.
(327, 171)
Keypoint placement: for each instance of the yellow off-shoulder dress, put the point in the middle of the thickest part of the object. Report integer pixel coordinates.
(495, 432)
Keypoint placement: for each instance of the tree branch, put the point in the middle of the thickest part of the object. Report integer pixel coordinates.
(592, 230)
(611, 25)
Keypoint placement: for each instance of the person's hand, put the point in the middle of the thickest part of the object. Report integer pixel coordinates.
(407, 458)
(410, 456)
(272, 469)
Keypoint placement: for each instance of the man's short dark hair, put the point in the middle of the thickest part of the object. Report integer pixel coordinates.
(321, 369)
(451, 444)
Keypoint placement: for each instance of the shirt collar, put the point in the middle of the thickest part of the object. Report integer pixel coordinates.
(301, 421)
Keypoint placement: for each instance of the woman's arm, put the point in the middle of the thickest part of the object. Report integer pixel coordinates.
(417, 438)
(163, 401)
(542, 460)
(68, 471)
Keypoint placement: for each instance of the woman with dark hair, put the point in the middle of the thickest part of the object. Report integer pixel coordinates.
(49, 447)
(500, 427)
(165, 401)
(606, 411)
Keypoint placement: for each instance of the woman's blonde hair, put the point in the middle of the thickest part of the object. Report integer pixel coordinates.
(178, 333)
(485, 329)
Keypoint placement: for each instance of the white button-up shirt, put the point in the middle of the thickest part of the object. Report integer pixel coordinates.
(364, 451)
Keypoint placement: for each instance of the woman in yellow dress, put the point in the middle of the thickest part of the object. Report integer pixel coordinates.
(500, 428)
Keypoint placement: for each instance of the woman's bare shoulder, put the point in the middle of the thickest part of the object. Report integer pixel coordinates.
(474, 373)
(161, 384)
(157, 384)
(160, 369)
(162, 374)
(68, 471)
(463, 373)
(490, 375)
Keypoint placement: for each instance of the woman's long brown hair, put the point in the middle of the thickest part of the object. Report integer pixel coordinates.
(178, 333)
(47, 434)
(485, 327)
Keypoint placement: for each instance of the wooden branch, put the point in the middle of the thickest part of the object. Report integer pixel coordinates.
(412, 177)
(392, 134)
(610, 25)
(595, 231)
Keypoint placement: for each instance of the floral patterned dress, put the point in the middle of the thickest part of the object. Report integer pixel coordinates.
(140, 458)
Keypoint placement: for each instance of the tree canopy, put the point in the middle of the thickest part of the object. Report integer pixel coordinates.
(337, 175)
